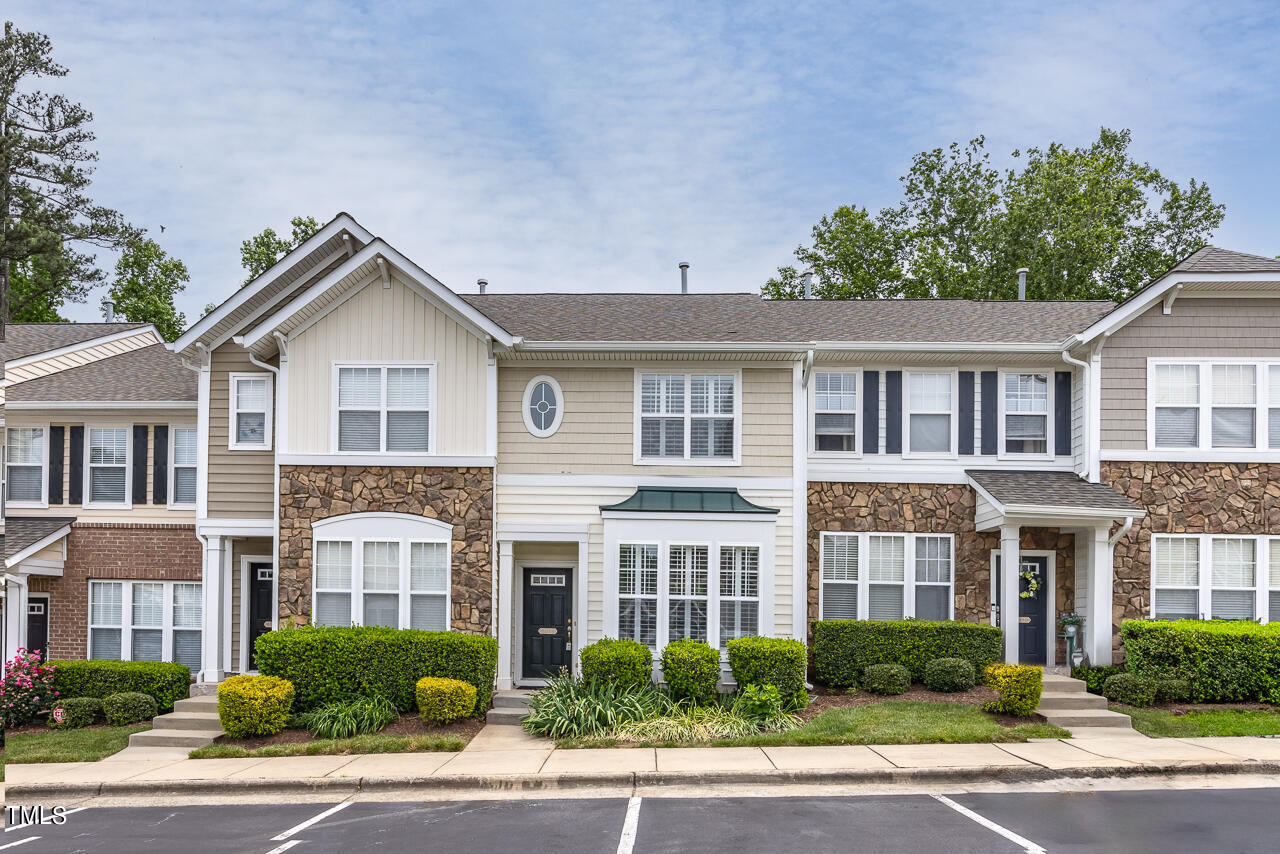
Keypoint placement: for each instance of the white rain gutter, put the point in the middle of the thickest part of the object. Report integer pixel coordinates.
(1124, 529)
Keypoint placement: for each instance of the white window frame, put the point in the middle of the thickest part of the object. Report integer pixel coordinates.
(1205, 406)
(433, 419)
(173, 503)
(1051, 403)
(87, 493)
(44, 467)
(657, 597)
(401, 528)
(1263, 543)
(687, 460)
(126, 625)
(233, 443)
(863, 583)
(706, 597)
(953, 452)
(527, 398)
(859, 398)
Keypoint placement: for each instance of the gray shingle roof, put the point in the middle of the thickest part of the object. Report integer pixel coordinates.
(748, 318)
(1211, 259)
(27, 339)
(22, 532)
(687, 499)
(146, 374)
(1062, 489)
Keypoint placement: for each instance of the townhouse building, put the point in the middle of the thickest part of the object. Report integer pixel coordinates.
(373, 447)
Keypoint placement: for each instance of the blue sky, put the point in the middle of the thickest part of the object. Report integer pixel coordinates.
(551, 146)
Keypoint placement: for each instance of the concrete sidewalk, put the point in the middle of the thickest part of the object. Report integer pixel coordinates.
(507, 758)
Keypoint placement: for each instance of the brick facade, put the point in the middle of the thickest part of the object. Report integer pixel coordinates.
(461, 497)
(925, 508)
(110, 552)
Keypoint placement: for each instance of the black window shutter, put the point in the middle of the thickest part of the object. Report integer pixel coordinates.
(893, 412)
(870, 412)
(965, 412)
(56, 435)
(139, 464)
(990, 411)
(1062, 413)
(160, 465)
(75, 484)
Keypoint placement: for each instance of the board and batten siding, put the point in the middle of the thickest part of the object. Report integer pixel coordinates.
(517, 506)
(387, 325)
(1197, 327)
(598, 426)
(241, 483)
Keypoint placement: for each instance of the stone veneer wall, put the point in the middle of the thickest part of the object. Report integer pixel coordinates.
(462, 497)
(1185, 498)
(926, 508)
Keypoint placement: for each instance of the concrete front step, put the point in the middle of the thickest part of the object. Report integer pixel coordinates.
(189, 738)
(201, 703)
(512, 699)
(505, 715)
(1067, 700)
(1069, 718)
(188, 720)
(1058, 684)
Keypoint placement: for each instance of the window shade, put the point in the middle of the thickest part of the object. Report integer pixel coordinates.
(839, 601)
(1177, 427)
(105, 603)
(186, 648)
(106, 484)
(333, 609)
(333, 565)
(1234, 563)
(409, 388)
(1232, 605)
(886, 558)
(148, 645)
(429, 567)
(360, 388)
(148, 604)
(104, 644)
(1177, 385)
(835, 392)
(884, 602)
(1176, 604)
(1177, 561)
(381, 563)
(930, 433)
(427, 612)
(933, 560)
(1233, 428)
(187, 606)
(840, 557)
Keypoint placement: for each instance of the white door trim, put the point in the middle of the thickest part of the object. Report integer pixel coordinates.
(517, 617)
(245, 560)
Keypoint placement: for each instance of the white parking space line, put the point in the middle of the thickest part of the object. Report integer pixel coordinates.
(1027, 845)
(629, 827)
(34, 823)
(298, 828)
(19, 842)
(281, 849)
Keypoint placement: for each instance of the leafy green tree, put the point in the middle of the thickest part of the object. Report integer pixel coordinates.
(1090, 223)
(48, 225)
(146, 282)
(259, 252)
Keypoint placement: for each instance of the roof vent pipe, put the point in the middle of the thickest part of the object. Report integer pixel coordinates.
(108, 311)
(1022, 282)
(482, 283)
(684, 277)
(807, 275)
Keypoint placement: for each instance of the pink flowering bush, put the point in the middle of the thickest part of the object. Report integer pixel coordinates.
(27, 688)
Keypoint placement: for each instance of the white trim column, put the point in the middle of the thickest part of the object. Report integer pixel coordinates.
(1100, 596)
(15, 615)
(212, 666)
(1010, 561)
(506, 588)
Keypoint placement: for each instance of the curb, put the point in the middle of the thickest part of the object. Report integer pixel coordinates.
(347, 786)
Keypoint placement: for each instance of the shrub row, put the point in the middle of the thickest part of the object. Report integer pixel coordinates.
(1220, 661)
(844, 649)
(1095, 677)
(123, 709)
(338, 663)
(164, 681)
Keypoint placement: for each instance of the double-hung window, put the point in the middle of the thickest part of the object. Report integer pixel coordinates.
(1234, 406)
(1273, 407)
(739, 592)
(399, 582)
(1235, 566)
(835, 412)
(879, 576)
(250, 422)
(1026, 413)
(1215, 577)
(183, 478)
(1177, 406)
(108, 468)
(146, 621)
(687, 417)
(24, 459)
(687, 592)
(1175, 575)
(1227, 405)
(1273, 580)
(929, 416)
(383, 409)
(638, 593)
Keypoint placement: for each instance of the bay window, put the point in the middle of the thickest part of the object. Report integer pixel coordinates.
(383, 409)
(1026, 413)
(835, 412)
(24, 465)
(929, 416)
(879, 576)
(739, 592)
(146, 621)
(687, 599)
(686, 417)
(108, 465)
(1226, 405)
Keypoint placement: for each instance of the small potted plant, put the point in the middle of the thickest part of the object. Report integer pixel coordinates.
(1071, 624)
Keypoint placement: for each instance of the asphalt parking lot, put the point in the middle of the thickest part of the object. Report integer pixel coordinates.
(1237, 820)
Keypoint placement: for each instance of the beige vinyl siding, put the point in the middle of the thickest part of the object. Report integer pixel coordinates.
(241, 483)
(386, 325)
(596, 433)
(82, 356)
(516, 506)
(1079, 404)
(1196, 328)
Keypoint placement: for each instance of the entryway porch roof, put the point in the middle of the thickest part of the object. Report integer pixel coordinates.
(1045, 498)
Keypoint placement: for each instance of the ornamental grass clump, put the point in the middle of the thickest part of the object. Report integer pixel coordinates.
(364, 716)
(573, 708)
(690, 723)
(27, 688)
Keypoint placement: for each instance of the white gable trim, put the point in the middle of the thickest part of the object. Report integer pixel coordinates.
(83, 345)
(37, 546)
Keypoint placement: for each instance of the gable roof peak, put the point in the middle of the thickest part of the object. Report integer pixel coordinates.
(1215, 259)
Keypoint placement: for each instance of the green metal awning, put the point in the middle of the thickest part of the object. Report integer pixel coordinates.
(687, 499)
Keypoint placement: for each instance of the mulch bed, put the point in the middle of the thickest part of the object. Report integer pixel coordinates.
(404, 725)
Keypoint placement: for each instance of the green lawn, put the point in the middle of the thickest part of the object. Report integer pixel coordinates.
(334, 747)
(1159, 723)
(68, 745)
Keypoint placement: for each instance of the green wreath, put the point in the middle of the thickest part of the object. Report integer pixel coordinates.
(1031, 575)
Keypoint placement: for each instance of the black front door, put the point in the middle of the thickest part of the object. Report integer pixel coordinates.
(548, 598)
(38, 625)
(261, 576)
(1033, 611)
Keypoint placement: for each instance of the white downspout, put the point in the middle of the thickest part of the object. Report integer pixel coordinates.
(1124, 529)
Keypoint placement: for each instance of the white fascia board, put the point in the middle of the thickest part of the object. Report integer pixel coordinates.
(29, 405)
(1068, 513)
(19, 557)
(437, 291)
(340, 223)
(1155, 292)
(1046, 347)
(235, 527)
(429, 460)
(84, 345)
(667, 346)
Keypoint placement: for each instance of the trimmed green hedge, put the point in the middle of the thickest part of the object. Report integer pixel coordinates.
(1019, 687)
(843, 649)
(1130, 689)
(129, 707)
(338, 663)
(1221, 661)
(77, 712)
(691, 670)
(625, 662)
(165, 681)
(886, 679)
(1095, 677)
(779, 662)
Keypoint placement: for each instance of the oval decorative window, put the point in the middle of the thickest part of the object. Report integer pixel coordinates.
(543, 406)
